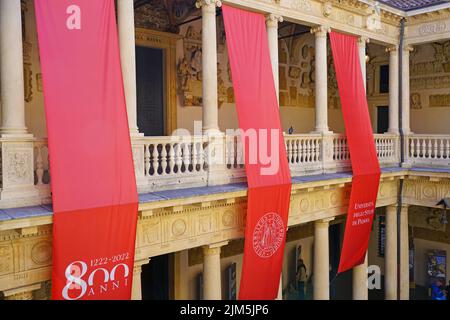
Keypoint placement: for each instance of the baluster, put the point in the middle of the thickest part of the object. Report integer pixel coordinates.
(289, 149)
(39, 166)
(413, 148)
(335, 152)
(308, 150)
(164, 159)
(146, 159)
(435, 149)
(441, 148)
(447, 147)
(314, 150)
(228, 149)
(300, 151)
(424, 148)
(155, 158)
(239, 153)
(201, 155)
(339, 149)
(194, 155)
(295, 151)
(178, 157)
(186, 157)
(429, 145)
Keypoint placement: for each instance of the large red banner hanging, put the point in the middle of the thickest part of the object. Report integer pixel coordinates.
(93, 181)
(268, 176)
(365, 166)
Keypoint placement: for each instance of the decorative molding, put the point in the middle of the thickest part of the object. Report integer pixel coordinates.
(25, 258)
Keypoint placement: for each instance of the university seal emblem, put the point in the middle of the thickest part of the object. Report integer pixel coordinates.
(268, 235)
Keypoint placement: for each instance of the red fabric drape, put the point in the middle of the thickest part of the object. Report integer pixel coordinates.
(365, 166)
(92, 173)
(268, 188)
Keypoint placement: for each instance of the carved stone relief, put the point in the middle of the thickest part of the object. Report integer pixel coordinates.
(18, 165)
(297, 71)
(190, 69)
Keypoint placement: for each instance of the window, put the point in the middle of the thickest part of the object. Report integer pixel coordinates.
(384, 79)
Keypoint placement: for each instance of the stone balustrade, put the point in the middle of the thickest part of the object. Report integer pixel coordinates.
(174, 162)
(428, 150)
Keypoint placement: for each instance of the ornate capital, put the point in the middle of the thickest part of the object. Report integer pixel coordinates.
(208, 3)
(408, 47)
(362, 41)
(213, 249)
(320, 31)
(272, 20)
(392, 49)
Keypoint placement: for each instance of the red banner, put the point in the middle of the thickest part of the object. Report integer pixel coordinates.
(363, 154)
(92, 174)
(268, 176)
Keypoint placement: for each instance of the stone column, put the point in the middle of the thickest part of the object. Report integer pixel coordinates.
(136, 288)
(404, 254)
(390, 262)
(393, 89)
(280, 289)
(359, 279)
(321, 269)
(125, 22)
(362, 41)
(209, 65)
(359, 275)
(405, 89)
(321, 79)
(272, 34)
(212, 280)
(11, 69)
(21, 293)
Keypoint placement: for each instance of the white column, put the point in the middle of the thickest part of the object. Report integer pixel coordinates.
(321, 272)
(393, 89)
(404, 254)
(405, 89)
(11, 69)
(280, 289)
(359, 281)
(359, 275)
(212, 280)
(125, 21)
(272, 34)
(136, 288)
(209, 65)
(390, 262)
(321, 79)
(362, 41)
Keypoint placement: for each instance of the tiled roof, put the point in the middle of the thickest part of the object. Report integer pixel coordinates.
(407, 5)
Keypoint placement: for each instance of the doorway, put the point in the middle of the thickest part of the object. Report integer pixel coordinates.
(150, 91)
(382, 119)
(155, 278)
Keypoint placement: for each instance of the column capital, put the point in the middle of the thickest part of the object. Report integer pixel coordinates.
(273, 19)
(320, 31)
(139, 263)
(21, 293)
(404, 206)
(392, 207)
(324, 222)
(363, 40)
(408, 47)
(214, 248)
(208, 3)
(392, 49)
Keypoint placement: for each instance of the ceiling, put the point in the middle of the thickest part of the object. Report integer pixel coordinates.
(408, 5)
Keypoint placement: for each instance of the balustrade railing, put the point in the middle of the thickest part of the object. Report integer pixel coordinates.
(172, 162)
(428, 150)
